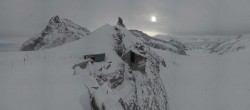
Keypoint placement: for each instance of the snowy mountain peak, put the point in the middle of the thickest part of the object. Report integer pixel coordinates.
(138, 87)
(120, 22)
(55, 19)
(58, 32)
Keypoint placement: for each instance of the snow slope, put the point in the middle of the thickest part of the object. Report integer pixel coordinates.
(204, 81)
(38, 81)
(44, 80)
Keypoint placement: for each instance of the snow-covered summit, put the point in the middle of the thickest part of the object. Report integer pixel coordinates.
(59, 31)
(118, 79)
(137, 89)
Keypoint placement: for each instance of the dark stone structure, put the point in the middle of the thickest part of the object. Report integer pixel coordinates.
(135, 60)
(96, 57)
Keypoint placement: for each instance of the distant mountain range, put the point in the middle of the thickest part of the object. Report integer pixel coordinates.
(60, 31)
(218, 45)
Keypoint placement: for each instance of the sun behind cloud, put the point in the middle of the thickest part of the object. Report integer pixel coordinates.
(153, 19)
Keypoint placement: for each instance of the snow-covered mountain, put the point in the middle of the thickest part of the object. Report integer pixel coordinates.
(136, 89)
(219, 45)
(58, 32)
(97, 72)
(210, 44)
(222, 46)
(154, 42)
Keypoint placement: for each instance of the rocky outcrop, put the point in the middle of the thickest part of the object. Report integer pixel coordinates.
(120, 22)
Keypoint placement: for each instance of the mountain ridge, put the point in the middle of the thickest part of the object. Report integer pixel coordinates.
(58, 32)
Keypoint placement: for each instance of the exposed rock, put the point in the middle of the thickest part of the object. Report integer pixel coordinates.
(120, 22)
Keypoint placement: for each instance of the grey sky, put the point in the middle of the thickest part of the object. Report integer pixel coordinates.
(24, 18)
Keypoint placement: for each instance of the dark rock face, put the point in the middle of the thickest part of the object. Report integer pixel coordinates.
(32, 44)
(118, 40)
(120, 22)
(58, 32)
(56, 19)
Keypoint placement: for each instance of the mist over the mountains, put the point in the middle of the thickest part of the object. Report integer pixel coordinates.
(24, 18)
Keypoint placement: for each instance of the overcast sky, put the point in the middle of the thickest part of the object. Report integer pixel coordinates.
(24, 18)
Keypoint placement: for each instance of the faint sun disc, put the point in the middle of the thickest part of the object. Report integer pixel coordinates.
(153, 19)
